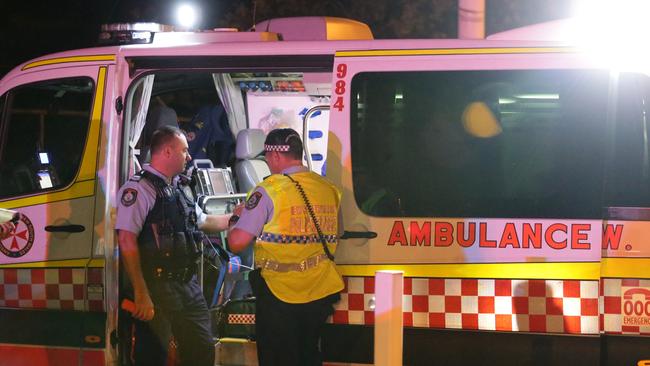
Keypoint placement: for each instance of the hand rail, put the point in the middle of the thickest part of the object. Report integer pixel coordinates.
(305, 130)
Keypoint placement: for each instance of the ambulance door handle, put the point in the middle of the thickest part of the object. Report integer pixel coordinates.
(358, 235)
(72, 228)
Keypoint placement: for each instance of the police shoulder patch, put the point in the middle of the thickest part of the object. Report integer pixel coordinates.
(129, 196)
(253, 200)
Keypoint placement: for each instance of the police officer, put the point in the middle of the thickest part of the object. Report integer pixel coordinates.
(296, 282)
(158, 234)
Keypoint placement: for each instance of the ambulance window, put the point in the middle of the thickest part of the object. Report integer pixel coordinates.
(44, 130)
(628, 173)
(508, 143)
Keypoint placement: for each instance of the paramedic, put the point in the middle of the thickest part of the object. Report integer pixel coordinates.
(158, 235)
(296, 282)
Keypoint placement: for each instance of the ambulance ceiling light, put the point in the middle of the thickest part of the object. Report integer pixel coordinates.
(537, 96)
(44, 158)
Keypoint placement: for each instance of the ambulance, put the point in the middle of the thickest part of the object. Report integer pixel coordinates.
(508, 179)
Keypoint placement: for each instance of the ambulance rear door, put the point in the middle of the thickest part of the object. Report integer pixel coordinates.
(51, 267)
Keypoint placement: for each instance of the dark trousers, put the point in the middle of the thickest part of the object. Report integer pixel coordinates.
(288, 334)
(181, 311)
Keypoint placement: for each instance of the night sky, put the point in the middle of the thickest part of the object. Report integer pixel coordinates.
(32, 28)
(29, 29)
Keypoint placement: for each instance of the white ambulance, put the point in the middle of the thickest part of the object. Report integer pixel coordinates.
(508, 179)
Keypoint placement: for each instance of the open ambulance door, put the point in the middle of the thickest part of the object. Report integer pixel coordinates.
(483, 174)
(51, 266)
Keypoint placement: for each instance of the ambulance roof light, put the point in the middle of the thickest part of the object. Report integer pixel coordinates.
(166, 35)
(130, 33)
(313, 28)
(187, 16)
(288, 29)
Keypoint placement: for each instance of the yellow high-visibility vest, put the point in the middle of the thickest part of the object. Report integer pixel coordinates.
(291, 238)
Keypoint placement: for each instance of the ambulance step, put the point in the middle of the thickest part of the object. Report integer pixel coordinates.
(235, 352)
(243, 352)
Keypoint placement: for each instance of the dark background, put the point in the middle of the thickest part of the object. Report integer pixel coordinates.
(30, 28)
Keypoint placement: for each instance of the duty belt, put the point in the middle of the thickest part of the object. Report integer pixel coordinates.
(308, 263)
(178, 274)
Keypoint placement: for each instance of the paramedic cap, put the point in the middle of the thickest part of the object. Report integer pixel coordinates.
(284, 140)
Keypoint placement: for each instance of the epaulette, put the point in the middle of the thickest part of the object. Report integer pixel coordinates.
(162, 188)
(154, 179)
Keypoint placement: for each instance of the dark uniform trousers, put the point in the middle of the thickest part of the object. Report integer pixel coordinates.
(181, 309)
(288, 334)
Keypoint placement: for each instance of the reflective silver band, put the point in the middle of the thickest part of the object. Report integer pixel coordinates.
(308, 263)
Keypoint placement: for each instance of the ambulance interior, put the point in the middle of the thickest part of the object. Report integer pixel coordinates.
(225, 117)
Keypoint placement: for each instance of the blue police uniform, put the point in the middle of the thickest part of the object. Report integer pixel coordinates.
(156, 209)
(209, 135)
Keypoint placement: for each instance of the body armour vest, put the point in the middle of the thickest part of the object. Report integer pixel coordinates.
(290, 237)
(169, 236)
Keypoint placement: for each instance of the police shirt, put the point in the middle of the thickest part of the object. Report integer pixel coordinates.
(136, 198)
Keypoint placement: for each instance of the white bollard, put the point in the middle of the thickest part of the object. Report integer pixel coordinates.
(389, 322)
(471, 19)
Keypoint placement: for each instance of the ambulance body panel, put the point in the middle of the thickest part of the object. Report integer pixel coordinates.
(454, 158)
(508, 185)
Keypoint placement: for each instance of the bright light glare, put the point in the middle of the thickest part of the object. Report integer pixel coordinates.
(186, 15)
(614, 31)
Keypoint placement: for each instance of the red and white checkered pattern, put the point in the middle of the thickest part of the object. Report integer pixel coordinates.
(50, 288)
(552, 306)
(611, 312)
(241, 318)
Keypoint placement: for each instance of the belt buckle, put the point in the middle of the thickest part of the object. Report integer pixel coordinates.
(303, 265)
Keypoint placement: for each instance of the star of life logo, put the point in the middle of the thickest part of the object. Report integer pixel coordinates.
(20, 241)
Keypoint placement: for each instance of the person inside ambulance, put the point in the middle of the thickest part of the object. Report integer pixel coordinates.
(294, 214)
(158, 233)
(209, 136)
(159, 114)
